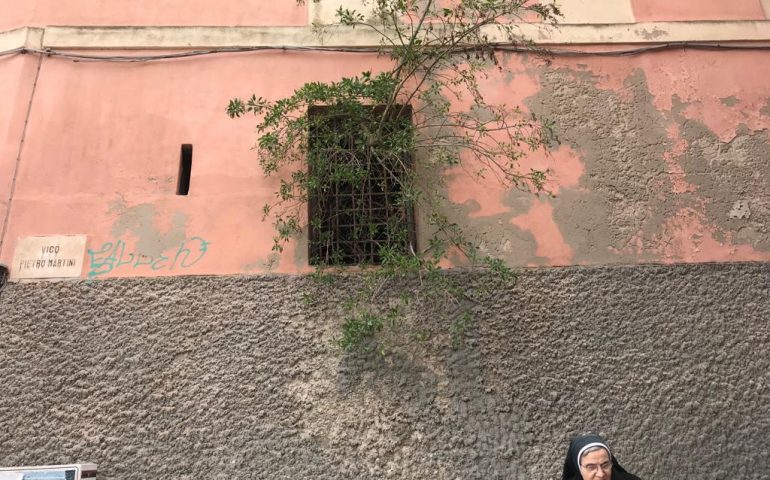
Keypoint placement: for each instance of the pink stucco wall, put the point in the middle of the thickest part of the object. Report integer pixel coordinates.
(102, 157)
(681, 10)
(102, 153)
(28, 13)
(17, 77)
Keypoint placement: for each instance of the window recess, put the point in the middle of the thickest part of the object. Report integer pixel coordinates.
(357, 207)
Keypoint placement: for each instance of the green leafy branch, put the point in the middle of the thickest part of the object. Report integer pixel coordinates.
(396, 131)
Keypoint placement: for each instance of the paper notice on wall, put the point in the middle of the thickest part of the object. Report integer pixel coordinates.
(51, 256)
(11, 476)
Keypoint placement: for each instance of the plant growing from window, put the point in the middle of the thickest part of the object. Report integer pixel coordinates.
(366, 152)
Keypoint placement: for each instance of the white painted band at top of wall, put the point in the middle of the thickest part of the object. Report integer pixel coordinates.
(215, 37)
(190, 37)
(21, 37)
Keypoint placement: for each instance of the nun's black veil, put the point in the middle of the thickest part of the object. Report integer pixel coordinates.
(571, 468)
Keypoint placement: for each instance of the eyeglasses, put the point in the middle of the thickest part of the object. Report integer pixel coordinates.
(594, 467)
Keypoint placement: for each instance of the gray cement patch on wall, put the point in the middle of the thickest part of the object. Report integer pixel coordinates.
(234, 377)
(628, 196)
(733, 177)
(622, 141)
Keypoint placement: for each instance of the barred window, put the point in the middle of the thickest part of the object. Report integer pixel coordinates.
(356, 206)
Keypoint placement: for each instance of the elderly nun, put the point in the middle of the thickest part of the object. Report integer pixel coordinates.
(589, 458)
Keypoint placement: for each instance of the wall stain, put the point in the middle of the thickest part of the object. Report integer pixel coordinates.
(140, 222)
(765, 111)
(495, 234)
(266, 264)
(653, 34)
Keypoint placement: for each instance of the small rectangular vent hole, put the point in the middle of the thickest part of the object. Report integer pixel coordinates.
(185, 169)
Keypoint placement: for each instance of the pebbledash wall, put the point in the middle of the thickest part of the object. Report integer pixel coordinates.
(645, 317)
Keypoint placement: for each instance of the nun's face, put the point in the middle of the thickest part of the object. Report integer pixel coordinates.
(596, 465)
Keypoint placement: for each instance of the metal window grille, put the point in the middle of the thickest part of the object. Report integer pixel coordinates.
(354, 215)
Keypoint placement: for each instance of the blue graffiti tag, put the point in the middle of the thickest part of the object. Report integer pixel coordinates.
(112, 255)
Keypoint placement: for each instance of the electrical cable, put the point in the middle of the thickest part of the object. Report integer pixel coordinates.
(189, 53)
(648, 48)
(556, 52)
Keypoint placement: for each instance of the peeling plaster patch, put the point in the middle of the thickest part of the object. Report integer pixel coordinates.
(747, 235)
(686, 237)
(165, 180)
(482, 114)
(675, 170)
(607, 74)
(622, 139)
(730, 101)
(503, 240)
(740, 210)
(550, 242)
(265, 265)
(730, 172)
(718, 118)
(563, 168)
(117, 206)
(250, 267)
(765, 111)
(454, 258)
(639, 170)
(293, 250)
(484, 205)
(513, 84)
(141, 222)
(494, 233)
(701, 79)
(483, 198)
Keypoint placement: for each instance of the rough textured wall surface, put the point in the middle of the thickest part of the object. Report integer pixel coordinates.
(234, 377)
(661, 158)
